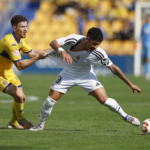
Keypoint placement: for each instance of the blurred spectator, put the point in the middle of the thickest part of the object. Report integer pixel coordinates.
(127, 32)
(145, 37)
(90, 14)
(131, 6)
(81, 20)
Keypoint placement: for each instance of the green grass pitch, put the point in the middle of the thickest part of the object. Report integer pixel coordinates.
(78, 121)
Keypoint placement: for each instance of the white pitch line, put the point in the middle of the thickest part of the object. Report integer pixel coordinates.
(28, 98)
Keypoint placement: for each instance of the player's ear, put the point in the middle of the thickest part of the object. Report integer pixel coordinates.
(14, 28)
(87, 38)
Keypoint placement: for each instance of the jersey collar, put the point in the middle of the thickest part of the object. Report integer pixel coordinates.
(77, 43)
(15, 37)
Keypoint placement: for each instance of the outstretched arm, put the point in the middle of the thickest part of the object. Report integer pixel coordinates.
(54, 44)
(22, 64)
(117, 71)
(37, 53)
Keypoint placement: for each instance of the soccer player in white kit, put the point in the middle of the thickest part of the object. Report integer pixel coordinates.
(76, 54)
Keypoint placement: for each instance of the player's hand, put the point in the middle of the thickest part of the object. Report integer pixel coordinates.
(42, 55)
(66, 57)
(134, 87)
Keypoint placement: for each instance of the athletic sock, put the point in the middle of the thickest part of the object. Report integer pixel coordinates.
(14, 120)
(115, 107)
(19, 110)
(46, 110)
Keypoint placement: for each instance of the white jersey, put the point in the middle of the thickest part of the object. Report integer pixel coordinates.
(82, 60)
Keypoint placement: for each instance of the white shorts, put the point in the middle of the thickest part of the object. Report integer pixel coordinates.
(64, 82)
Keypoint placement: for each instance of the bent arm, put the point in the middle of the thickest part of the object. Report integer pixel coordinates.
(54, 44)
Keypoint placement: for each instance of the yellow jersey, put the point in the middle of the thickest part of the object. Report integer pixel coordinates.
(10, 47)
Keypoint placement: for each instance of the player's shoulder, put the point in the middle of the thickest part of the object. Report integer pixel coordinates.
(75, 36)
(99, 52)
(99, 49)
(8, 39)
(8, 36)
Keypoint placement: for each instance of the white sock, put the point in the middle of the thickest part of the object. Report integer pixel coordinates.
(115, 107)
(46, 110)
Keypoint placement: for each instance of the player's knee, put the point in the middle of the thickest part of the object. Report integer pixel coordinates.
(19, 96)
(103, 100)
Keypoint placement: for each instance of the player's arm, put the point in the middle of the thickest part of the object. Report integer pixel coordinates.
(54, 44)
(22, 64)
(36, 53)
(117, 71)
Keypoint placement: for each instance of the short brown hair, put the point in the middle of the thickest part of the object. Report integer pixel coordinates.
(16, 19)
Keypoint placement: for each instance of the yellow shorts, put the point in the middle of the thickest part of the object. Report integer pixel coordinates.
(6, 81)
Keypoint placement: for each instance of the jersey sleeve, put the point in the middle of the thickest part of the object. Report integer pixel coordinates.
(25, 47)
(12, 51)
(101, 58)
(72, 39)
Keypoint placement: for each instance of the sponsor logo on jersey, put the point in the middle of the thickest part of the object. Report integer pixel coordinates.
(105, 61)
(13, 44)
(16, 52)
(78, 57)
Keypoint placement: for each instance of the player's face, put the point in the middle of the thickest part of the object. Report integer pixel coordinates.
(21, 29)
(92, 44)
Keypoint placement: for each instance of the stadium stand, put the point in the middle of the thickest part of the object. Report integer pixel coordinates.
(55, 19)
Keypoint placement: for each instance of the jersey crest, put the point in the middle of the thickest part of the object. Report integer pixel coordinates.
(78, 57)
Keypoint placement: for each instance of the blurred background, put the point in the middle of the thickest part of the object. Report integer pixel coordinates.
(120, 21)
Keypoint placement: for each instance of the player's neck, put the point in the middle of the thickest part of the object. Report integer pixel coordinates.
(17, 36)
(84, 44)
(79, 47)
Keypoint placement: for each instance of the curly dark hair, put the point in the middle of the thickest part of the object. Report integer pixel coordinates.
(95, 34)
(16, 19)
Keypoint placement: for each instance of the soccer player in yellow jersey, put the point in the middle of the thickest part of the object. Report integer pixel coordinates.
(10, 47)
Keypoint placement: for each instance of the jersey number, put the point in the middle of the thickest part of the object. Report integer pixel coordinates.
(58, 79)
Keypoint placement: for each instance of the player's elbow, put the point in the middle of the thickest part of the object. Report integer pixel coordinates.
(19, 65)
(114, 69)
(19, 68)
(52, 43)
(33, 54)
